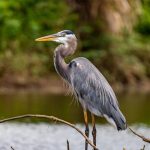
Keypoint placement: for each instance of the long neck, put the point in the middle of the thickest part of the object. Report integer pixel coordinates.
(60, 53)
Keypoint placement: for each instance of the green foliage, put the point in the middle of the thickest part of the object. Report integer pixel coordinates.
(23, 64)
(22, 21)
(143, 25)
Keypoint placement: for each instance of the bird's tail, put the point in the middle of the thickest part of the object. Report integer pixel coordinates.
(117, 118)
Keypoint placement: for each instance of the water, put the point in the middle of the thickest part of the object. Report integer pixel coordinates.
(53, 137)
(135, 107)
(36, 134)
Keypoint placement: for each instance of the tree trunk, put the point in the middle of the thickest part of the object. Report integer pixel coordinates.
(112, 16)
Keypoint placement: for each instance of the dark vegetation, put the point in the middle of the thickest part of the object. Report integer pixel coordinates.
(114, 35)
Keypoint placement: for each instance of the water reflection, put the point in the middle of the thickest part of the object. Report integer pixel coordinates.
(135, 107)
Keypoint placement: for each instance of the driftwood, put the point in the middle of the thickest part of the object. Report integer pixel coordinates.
(68, 147)
(50, 118)
(140, 136)
(12, 148)
(143, 148)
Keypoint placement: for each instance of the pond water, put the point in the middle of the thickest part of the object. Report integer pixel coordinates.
(36, 134)
(135, 107)
(53, 137)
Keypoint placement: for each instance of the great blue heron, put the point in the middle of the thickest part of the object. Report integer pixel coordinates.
(88, 84)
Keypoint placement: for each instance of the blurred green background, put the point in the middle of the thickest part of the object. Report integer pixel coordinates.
(114, 35)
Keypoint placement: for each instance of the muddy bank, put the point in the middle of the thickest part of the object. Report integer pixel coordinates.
(54, 84)
(51, 84)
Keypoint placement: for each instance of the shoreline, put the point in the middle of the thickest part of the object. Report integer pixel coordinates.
(54, 85)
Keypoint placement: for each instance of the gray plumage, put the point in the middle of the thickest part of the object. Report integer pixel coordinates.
(94, 92)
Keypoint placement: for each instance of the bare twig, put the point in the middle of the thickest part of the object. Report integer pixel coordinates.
(12, 148)
(50, 118)
(68, 147)
(143, 148)
(140, 136)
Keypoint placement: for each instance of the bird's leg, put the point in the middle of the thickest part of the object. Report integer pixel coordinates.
(86, 128)
(94, 130)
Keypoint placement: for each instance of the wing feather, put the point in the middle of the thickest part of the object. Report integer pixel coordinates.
(94, 92)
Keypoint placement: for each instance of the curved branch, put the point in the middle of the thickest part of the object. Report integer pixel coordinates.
(140, 136)
(50, 118)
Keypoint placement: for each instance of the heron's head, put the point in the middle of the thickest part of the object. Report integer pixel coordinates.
(61, 37)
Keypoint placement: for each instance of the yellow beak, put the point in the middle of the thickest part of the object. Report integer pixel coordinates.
(47, 38)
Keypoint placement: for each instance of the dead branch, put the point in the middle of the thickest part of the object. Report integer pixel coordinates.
(50, 118)
(140, 136)
(68, 147)
(12, 148)
(143, 148)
